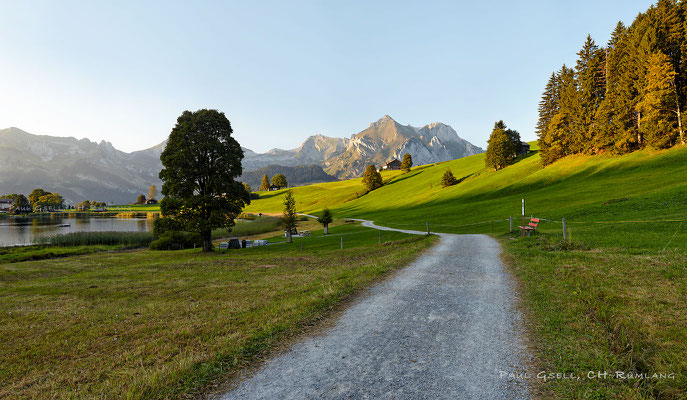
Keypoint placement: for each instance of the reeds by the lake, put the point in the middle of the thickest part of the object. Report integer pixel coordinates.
(133, 239)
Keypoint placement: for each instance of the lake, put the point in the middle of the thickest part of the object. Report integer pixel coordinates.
(23, 230)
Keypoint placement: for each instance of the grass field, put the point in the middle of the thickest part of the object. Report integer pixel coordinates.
(160, 324)
(613, 298)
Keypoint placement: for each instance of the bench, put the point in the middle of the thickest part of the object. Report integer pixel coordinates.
(532, 226)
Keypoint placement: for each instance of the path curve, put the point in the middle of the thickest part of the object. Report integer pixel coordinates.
(445, 327)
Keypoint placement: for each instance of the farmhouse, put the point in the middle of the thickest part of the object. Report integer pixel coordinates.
(392, 165)
(525, 148)
(6, 204)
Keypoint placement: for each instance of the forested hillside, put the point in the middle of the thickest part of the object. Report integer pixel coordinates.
(621, 97)
(295, 175)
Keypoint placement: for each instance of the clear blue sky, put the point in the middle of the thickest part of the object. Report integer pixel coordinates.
(123, 71)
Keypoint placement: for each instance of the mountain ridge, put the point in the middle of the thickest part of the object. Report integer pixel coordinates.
(82, 169)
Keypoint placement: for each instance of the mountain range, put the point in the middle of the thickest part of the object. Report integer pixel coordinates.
(82, 169)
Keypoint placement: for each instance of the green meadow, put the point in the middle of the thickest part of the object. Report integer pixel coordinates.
(102, 322)
(147, 324)
(612, 298)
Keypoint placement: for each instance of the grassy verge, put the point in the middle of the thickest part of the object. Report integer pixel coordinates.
(620, 310)
(248, 228)
(166, 324)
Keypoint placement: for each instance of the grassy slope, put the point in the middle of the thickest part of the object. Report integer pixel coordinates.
(615, 299)
(147, 324)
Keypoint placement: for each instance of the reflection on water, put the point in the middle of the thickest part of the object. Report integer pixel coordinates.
(23, 230)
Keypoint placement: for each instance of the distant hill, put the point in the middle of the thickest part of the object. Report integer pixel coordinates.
(295, 176)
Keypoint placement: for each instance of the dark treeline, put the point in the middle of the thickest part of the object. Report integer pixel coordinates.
(622, 97)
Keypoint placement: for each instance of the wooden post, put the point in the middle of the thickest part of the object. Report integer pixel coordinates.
(341, 242)
(565, 232)
(511, 223)
(523, 217)
(427, 222)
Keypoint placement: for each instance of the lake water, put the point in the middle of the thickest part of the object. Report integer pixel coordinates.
(22, 231)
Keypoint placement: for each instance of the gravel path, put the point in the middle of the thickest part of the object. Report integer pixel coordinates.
(442, 328)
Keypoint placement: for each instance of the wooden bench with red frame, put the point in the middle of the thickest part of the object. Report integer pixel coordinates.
(532, 226)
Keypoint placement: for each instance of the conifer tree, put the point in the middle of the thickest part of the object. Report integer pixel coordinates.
(448, 179)
(500, 148)
(658, 103)
(406, 163)
(289, 216)
(325, 219)
(265, 184)
(372, 179)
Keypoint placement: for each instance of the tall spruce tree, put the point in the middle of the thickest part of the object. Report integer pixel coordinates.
(658, 104)
(407, 162)
(265, 184)
(500, 149)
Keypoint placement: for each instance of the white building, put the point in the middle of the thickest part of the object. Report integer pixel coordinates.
(6, 205)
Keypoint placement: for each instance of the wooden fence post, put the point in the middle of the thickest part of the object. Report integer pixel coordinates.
(341, 242)
(511, 223)
(427, 222)
(565, 232)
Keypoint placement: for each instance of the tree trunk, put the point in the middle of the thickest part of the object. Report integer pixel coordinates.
(326, 229)
(206, 236)
(289, 239)
(639, 127)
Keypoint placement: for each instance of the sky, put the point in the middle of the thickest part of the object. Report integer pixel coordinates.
(123, 71)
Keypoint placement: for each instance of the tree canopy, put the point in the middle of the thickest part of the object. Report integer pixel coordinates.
(265, 184)
(279, 181)
(201, 163)
(325, 219)
(621, 97)
(407, 162)
(152, 192)
(372, 179)
(36, 194)
(503, 146)
(289, 216)
(448, 179)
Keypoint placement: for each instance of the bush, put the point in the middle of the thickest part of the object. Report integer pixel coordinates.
(448, 179)
(176, 240)
(164, 224)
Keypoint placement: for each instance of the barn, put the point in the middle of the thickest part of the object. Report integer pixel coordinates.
(392, 165)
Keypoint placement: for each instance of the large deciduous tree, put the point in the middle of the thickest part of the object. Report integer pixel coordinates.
(37, 194)
(201, 163)
(279, 181)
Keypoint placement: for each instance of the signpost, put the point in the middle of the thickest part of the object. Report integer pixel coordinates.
(523, 217)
